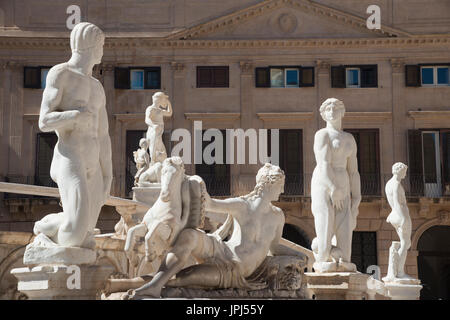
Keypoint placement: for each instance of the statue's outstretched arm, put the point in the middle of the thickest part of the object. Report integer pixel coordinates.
(232, 206)
(49, 118)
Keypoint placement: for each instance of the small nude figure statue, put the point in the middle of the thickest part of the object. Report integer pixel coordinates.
(335, 191)
(401, 221)
(141, 158)
(154, 118)
(73, 105)
(257, 229)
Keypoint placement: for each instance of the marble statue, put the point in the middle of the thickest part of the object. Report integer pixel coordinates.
(179, 205)
(73, 105)
(141, 158)
(257, 227)
(154, 118)
(401, 221)
(335, 191)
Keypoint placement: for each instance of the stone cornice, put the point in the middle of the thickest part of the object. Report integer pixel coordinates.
(112, 43)
(285, 116)
(367, 116)
(212, 116)
(429, 115)
(270, 5)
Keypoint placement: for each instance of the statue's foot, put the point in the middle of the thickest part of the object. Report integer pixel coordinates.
(323, 267)
(344, 266)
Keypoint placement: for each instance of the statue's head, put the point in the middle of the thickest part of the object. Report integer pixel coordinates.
(332, 110)
(143, 143)
(172, 171)
(270, 181)
(399, 169)
(87, 38)
(159, 98)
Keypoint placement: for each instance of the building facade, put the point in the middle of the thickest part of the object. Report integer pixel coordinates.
(251, 64)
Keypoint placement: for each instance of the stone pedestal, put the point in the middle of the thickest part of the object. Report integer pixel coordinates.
(402, 291)
(338, 285)
(148, 194)
(60, 282)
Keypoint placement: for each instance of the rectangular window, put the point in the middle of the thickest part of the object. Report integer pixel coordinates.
(137, 78)
(434, 76)
(429, 162)
(367, 141)
(35, 77)
(45, 145)
(358, 76)
(292, 79)
(353, 78)
(364, 250)
(276, 78)
(44, 72)
(216, 176)
(284, 77)
(213, 77)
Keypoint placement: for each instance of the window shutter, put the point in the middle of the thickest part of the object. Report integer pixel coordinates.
(412, 76)
(369, 76)
(32, 77)
(262, 77)
(204, 77)
(44, 154)
(291, 160)
(338, 77)
(307, 77)
(445, 136)
(220, 76)
(152, 78)
(122, 78)
(415, 162)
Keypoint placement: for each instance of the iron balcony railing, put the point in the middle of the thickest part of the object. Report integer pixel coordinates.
(296, 185)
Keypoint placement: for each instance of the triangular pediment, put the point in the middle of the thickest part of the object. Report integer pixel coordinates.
(286, 19)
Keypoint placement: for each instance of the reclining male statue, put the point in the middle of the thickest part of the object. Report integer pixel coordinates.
(257, 229)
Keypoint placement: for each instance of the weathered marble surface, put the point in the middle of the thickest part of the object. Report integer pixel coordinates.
(73, 105)
(335, 191)
(231, 263)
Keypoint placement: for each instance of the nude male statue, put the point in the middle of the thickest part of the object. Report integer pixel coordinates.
(401, 221)
(335, 191)
(73, 105)
(154, 118)
(141, 158)
(258, 227)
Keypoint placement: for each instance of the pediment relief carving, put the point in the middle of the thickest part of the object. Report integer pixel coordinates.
(286, 19)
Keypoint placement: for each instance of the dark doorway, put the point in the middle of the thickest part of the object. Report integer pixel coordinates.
(434, 263)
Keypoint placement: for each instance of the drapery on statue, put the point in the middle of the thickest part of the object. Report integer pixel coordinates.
(401, 221)
(257, 228)
(73, 105)
(335, 191)
(179, 205)
(154, 118)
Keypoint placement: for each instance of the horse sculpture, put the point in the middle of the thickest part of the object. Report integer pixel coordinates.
(180, 205)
